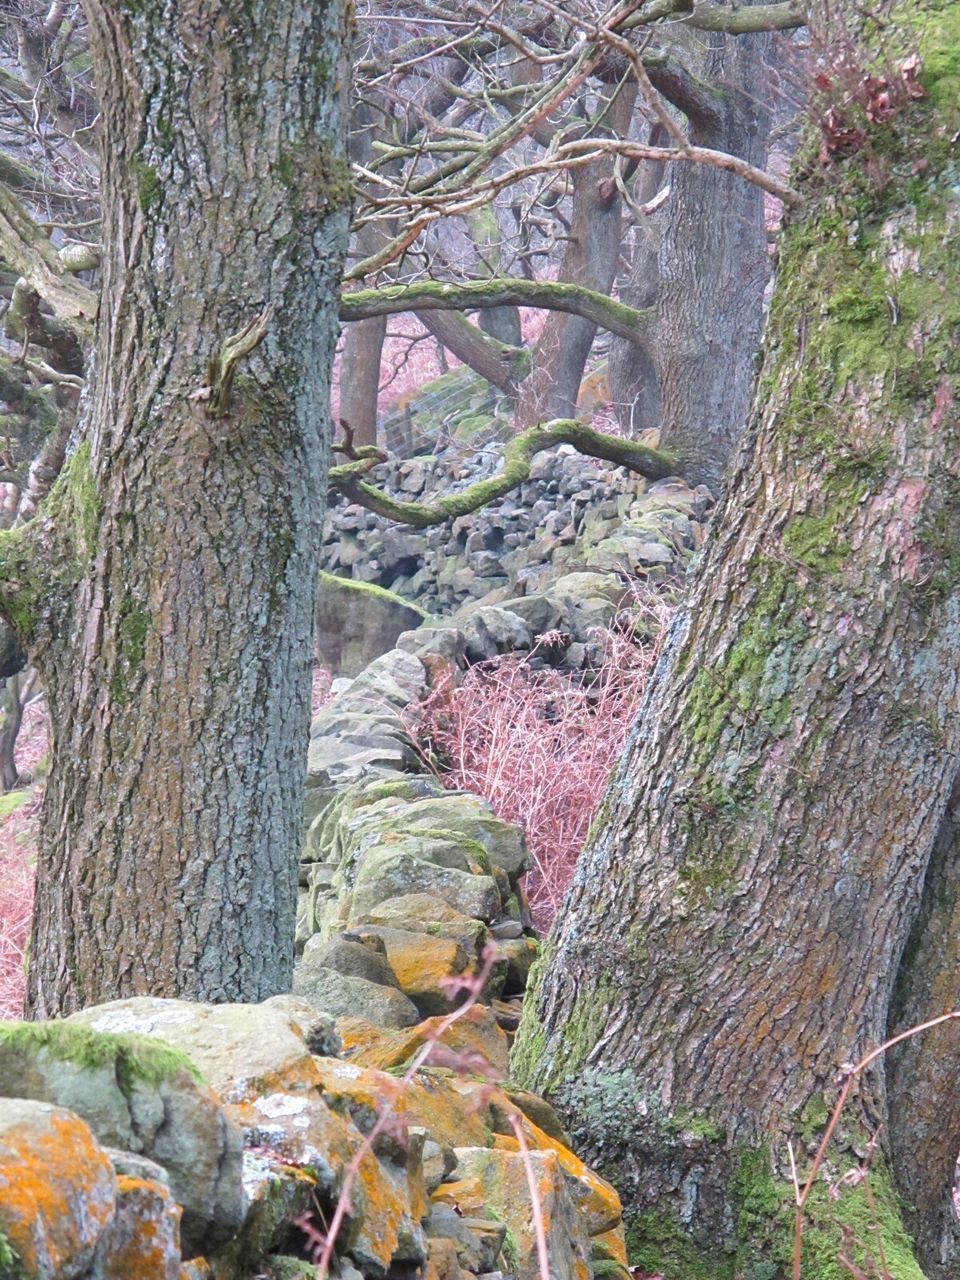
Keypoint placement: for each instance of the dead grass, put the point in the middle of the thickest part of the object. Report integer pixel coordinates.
(540, 745)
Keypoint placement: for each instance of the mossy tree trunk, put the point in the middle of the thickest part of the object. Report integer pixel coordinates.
(166, 591)
(738, 924)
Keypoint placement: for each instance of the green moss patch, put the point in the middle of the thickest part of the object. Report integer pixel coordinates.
(137, 1059)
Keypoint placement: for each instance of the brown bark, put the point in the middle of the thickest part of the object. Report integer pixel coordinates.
(735, 926)
(173, 629)
(923, 1084)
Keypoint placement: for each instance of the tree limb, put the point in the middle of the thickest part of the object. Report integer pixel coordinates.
(471, 295)
(517, 456)
(24, 246)
(742, 21)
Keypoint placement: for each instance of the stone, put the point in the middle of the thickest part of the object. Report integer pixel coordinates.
(438, 1163)
(426, 913)
(502, 1177)
(139, 1094)
(387, 872)
(361, 955)
(422, 964)
(442, 1260)
(57, 1189)
(444, 642)
(539, 1111)
(476, 1035)
(432, 1101)
(357, 622)
(317, 1029)
(277, 1193)
(143, 1239)
(520, 954)
(478, 1241)
(489, 630)
(467, 818)
(341, 995)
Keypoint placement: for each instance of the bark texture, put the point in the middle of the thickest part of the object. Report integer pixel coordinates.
(170, 606)
(735, 926)
(590, 259)
(923, 1084)
(712, 270)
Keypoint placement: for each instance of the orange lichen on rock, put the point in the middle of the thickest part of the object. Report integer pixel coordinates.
(497, 1179)
(596, 1199)
(610, 1245)
(143, 1241)
(57, 1187)
(432, 1101)
(476, 1034)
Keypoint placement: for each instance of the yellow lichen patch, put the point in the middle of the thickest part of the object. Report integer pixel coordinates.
(432, 1101)
(502, 1142)
(359, 1037)
(475, 1035)
(57, 1188)
(422, 963)
(497, 1181)
(195, 1269)
(596, 1199)
(609, 1245)
(143, 1241)
(466, 1196)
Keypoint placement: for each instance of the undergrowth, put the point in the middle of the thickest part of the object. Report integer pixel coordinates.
(539, 744)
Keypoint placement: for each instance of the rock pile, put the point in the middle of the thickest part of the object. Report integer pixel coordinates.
(573, 513)
(165, 1140)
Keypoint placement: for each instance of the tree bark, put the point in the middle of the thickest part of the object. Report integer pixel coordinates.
(713, 270)
(170, 592)
(734, 928)
(923, 1084)
(590, 259)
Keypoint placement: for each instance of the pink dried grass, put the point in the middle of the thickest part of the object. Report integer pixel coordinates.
(18, 840)
(540, 746)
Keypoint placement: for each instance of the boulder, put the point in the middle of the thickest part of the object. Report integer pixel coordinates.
(143, 1240)
(489, 630)
(139, 1094)
(501, 1177)
(476, 1037)
(361, 955)
(57, 1191)
(422, 963)
(426, 913)
(344, 996)
(388, 872)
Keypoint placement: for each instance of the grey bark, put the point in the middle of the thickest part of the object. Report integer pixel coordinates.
(174, 633)
(713, 266)
(736, 926)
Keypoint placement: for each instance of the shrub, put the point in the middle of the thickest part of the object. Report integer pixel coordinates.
(539, 745)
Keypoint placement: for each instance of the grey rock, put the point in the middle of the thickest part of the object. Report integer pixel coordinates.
(387, 872)
(355, 957)
(344, 996)
(138, 1096)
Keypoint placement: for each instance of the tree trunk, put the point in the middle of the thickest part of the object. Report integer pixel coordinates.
(170, 607)
(590, 259)
(735, 926)
(713, 269)
(923, 1083)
